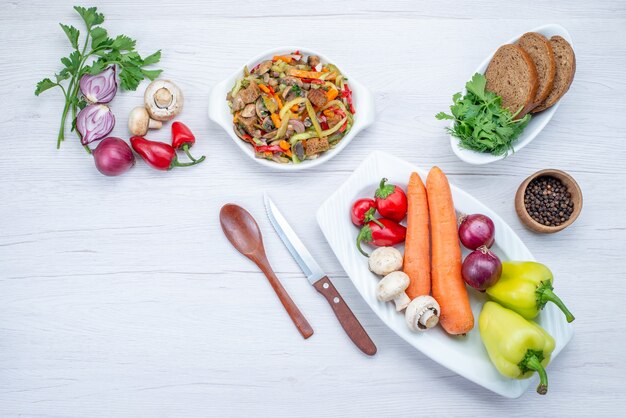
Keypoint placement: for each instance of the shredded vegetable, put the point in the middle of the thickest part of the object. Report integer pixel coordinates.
(291, 108)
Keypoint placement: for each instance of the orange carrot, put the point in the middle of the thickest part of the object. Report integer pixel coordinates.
(332, 94)
(448, 286)
(264, 88)
(276, 120)
(417, 243)
(285, 58)
(304, 74)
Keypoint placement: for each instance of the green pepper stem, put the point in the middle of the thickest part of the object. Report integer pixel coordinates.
(533, 363)
(547, 295)
(369, 216)
(186, 149)
(365, 234)
(177, 163)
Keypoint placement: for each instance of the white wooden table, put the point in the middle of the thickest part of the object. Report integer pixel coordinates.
(121, 297)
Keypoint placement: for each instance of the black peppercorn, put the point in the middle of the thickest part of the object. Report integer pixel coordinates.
(547, 201)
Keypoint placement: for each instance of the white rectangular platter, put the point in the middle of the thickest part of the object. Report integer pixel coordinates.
(464, 355)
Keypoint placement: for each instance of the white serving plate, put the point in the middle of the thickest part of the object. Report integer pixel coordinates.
(219, 112)
(537, 122)
(463, 355)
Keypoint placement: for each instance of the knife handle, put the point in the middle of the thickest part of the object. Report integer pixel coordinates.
(346, 318)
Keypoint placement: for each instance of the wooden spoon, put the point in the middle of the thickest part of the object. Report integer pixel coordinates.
(243, 232)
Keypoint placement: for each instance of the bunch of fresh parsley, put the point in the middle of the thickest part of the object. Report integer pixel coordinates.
(480, 121)
(102, 51)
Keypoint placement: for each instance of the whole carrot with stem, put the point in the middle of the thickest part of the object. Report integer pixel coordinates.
(447, 282)
(417, 244)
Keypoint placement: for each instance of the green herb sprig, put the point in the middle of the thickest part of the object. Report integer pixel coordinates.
(103, 51)
(480, 121)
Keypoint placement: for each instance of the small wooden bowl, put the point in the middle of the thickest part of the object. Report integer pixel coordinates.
(572, 188)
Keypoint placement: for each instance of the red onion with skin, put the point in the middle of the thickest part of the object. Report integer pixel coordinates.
(100, 88)
(113, 156)
(94, 122)
(481, 269)
(476, 230)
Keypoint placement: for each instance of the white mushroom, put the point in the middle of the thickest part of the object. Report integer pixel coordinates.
(163, 100)
(422, 313)
(139, 121)
(384, 260)
(392, 287)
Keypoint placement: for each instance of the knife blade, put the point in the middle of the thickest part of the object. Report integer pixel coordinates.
(316, 276)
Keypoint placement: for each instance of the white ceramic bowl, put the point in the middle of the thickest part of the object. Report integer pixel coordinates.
(219, 112)
(537, 122)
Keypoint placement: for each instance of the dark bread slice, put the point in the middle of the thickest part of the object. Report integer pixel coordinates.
(511, 75)
(540, 51)
(565, 70)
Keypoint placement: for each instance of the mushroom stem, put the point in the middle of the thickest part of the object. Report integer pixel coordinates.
(429, 318)
(402, 301)
(154, 124)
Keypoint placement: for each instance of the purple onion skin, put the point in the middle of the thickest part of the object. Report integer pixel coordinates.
(100, 88)
(113, 156)
(94, 122)
(481, 269)
(476, 230)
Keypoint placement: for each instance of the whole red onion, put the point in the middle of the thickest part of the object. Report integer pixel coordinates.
(99, 88)
(481, 268)
(113, 156)
(476, 230)
(94, 122)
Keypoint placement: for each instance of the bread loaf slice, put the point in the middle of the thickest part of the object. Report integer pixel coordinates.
(565, 70)
(511, 75)
(540, 51)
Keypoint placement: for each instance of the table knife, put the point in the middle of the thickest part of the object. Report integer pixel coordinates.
(318, 279)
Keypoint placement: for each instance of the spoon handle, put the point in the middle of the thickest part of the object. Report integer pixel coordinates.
(294, 313)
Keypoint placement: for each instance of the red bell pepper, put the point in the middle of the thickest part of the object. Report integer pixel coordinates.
(268, 148)
(363, 211)
(391, 201)
(313, 81)
(182, 138)
(392, 233)
(347, 93)
(158, 155)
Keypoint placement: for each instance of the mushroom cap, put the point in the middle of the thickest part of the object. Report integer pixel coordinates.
(392, 286)
(385, 260)
(422, 313)
(163, 99)
(138, 120)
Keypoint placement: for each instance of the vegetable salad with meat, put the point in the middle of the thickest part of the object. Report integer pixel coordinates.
(291, 108)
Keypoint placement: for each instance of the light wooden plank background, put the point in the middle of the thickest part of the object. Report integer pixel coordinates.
(121, 297)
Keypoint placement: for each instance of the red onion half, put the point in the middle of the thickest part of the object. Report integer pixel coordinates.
(100, 88)
(476, 230)
(113, 157)
(481, 269)
(94, 122)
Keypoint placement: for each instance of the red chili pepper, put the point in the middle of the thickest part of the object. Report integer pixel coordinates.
(158, 155)
(392, 233)
(182, 138)
(343, 128)
(347, 93)
(312, 81)
(391, 201)
(363, 211)
(271, 89)
(268, 148)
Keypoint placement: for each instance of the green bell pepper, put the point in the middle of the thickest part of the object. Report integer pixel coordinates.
(526, 287)
(516, 346)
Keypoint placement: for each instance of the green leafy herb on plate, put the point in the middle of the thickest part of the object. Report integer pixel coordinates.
(480, 121)
(103, 51)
